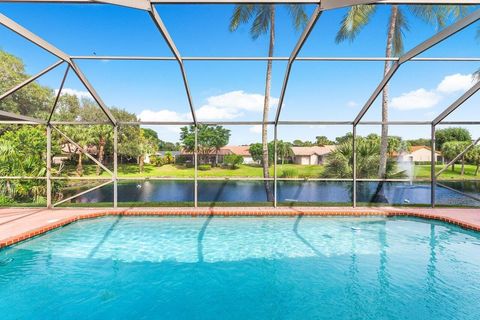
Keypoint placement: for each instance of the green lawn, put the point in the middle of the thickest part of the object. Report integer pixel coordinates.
(131, 170)
(311, 171)
(423, 172)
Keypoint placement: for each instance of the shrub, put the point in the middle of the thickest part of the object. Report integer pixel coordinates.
(233, 160)
(168, 158)
(5, 200)
(157, 161)
(182, 159)
(204, 167)
(153, 160)
(289, 173)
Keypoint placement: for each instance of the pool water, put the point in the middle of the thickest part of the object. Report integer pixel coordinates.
(244, 268)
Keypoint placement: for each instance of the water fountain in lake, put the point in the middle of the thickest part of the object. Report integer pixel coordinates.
(406, 166)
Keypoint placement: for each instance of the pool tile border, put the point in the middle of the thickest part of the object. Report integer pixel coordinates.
(236, 212)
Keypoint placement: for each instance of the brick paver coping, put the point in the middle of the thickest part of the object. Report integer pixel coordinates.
(17, 224)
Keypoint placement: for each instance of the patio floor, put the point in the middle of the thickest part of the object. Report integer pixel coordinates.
(17, 224)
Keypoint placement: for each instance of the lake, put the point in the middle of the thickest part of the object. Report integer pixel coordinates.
(395, 193)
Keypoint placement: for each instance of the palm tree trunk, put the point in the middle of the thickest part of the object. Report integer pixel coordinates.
(79, 165)
(8, 188)
(476, 170)
(266, 107)
(384, 136)
(141, 163)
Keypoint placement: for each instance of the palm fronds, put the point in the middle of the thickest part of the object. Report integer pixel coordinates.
(354, 21)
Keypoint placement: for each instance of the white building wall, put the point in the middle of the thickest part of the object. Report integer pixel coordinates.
(303, 160)
(248, 160)
(422, 155)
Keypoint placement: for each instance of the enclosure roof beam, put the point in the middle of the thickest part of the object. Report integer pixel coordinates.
(467, 95)
(296, 50)
(341, 59)
(20, 117)
(166, 35)
(57, 97)
(470, 146)
(29, 80)
(330, 4)
(30, 36)
(83, 150)
(134, 4)
(21, 31)
(93, 92)
(432, 41)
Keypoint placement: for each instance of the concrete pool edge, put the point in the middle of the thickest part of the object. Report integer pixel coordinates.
(21, 224)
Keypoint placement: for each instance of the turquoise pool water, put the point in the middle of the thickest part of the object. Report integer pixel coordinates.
(244, 268)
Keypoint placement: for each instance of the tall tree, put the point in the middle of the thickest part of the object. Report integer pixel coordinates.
(32, 100)
(23, 153)
(451, 134)
(210, 139)
(322, 141)
(284, 150)
(451, 149)
(147, 145)
(263, 22)
(359, 16)
(473, 157)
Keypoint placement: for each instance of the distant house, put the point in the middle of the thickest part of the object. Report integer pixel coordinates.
(311, 155)
(301, 155)
(210, 158)
(69, 150)
(240, 151)
(417, 154)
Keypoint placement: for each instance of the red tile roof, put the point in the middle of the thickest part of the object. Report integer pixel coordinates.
(308, 151)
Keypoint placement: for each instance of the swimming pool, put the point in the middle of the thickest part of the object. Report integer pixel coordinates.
(244, 268)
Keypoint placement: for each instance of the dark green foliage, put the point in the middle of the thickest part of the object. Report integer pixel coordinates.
(233, 160)
(451, 134)
(210, 139)
(204, 167)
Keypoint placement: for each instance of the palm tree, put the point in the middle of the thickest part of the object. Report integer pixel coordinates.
(284, 150)
(359, 16)
(263, 17)
(339, 163)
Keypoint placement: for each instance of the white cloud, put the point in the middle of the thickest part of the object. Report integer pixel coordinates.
(240, 100)
(208, 112)
(256, 129)
(78, 93)
(352, 104)
(417, 99)
(163, 115)
(425, 99)
(227, 106)
(455, 82)
(230, 105)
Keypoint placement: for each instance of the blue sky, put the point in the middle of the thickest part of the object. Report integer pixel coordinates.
(234, 90)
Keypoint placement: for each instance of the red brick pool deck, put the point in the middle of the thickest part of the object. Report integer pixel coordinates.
(17, 224)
